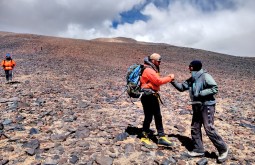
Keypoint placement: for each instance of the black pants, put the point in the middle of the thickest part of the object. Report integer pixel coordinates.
(8, 75)
(205, 115)
(151, 109)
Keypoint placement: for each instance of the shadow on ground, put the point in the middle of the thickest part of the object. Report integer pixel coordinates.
(13, 82)
(185, 141)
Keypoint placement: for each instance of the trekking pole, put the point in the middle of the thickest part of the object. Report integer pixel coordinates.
(121, 94)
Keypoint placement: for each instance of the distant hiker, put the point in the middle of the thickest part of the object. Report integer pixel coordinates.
(150, 84)
(202, 90)
(8, 64)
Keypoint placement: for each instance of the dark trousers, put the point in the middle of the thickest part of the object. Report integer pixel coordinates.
(205, 115)
(8, 75)
(151, 109)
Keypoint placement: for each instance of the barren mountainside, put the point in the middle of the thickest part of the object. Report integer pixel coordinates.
(63, 107)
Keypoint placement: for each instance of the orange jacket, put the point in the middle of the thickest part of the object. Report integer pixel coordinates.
(8, 64)
(150, 79)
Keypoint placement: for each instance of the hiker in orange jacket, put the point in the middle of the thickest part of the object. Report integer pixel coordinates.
(8, 64)
(150, 85)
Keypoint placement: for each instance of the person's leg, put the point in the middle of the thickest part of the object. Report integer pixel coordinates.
(10, 75)
(196, 133)
(148, 116)
(157, 116)
(148, 112)
(158, 122)
(211, 132)
(7, 75)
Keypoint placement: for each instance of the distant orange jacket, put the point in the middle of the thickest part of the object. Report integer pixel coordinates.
(8, 64)
(150, 79)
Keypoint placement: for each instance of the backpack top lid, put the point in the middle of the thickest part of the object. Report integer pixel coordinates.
(134, 73)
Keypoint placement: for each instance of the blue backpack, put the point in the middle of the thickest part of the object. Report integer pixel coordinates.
(134, 73)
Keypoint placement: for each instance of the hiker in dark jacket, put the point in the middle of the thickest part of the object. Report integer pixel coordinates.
(202, 88)
(150, 84)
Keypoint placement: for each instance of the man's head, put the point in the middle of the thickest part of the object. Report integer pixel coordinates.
(8, 56)
(195, 65)
(155, 59)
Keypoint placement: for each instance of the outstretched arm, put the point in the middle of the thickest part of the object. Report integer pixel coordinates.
(181, 86)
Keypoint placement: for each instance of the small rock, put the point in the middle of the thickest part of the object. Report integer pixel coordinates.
(129, 148)
(58, 137)
(30, 151)
(159, 153)
(82, 133)
(34, 144)
(3, 162)
(74, 159)
(33, 131)
(202, 161)
(121, 136)
(180, 128)
(104, 160)
(9, 148)
(7, 121)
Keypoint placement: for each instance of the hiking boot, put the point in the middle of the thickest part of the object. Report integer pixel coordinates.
(195, 154)
(164, 141)
(223, 156)
(147, 143)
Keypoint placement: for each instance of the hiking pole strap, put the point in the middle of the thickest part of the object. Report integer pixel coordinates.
(159, 98)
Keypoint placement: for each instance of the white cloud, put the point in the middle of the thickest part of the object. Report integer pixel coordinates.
(230, 31)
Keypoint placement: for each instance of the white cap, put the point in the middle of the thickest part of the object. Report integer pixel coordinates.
(155, 56)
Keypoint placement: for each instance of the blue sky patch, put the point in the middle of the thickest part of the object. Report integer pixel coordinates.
(131, 16)
(205, 6)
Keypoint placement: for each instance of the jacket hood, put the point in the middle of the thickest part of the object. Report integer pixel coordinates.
(148, 62)
(196, 74)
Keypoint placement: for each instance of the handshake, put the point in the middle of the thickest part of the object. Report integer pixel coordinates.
(171, 76)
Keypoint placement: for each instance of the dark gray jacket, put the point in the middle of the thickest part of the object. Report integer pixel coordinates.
(201, 86)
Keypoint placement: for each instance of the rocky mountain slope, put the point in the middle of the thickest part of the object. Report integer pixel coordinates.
(63, 107)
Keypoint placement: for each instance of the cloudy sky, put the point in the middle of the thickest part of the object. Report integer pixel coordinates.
(225, 26)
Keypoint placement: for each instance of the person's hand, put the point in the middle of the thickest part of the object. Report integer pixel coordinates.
(171, 76)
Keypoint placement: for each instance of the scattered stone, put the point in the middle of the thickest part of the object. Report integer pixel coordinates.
(34, 144)
(3, 100)
(33, 131)
(181, 162)
(9, 148)
(5, 161)
(82, 132)
(160, 153)
(59, 137)
(202, 161)
(70, 119)
(104, 160)
(129, 148)
(74, 159)
(30, 151)
(50, 161)
(7, 122)
(121, 136)
(180, 128)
